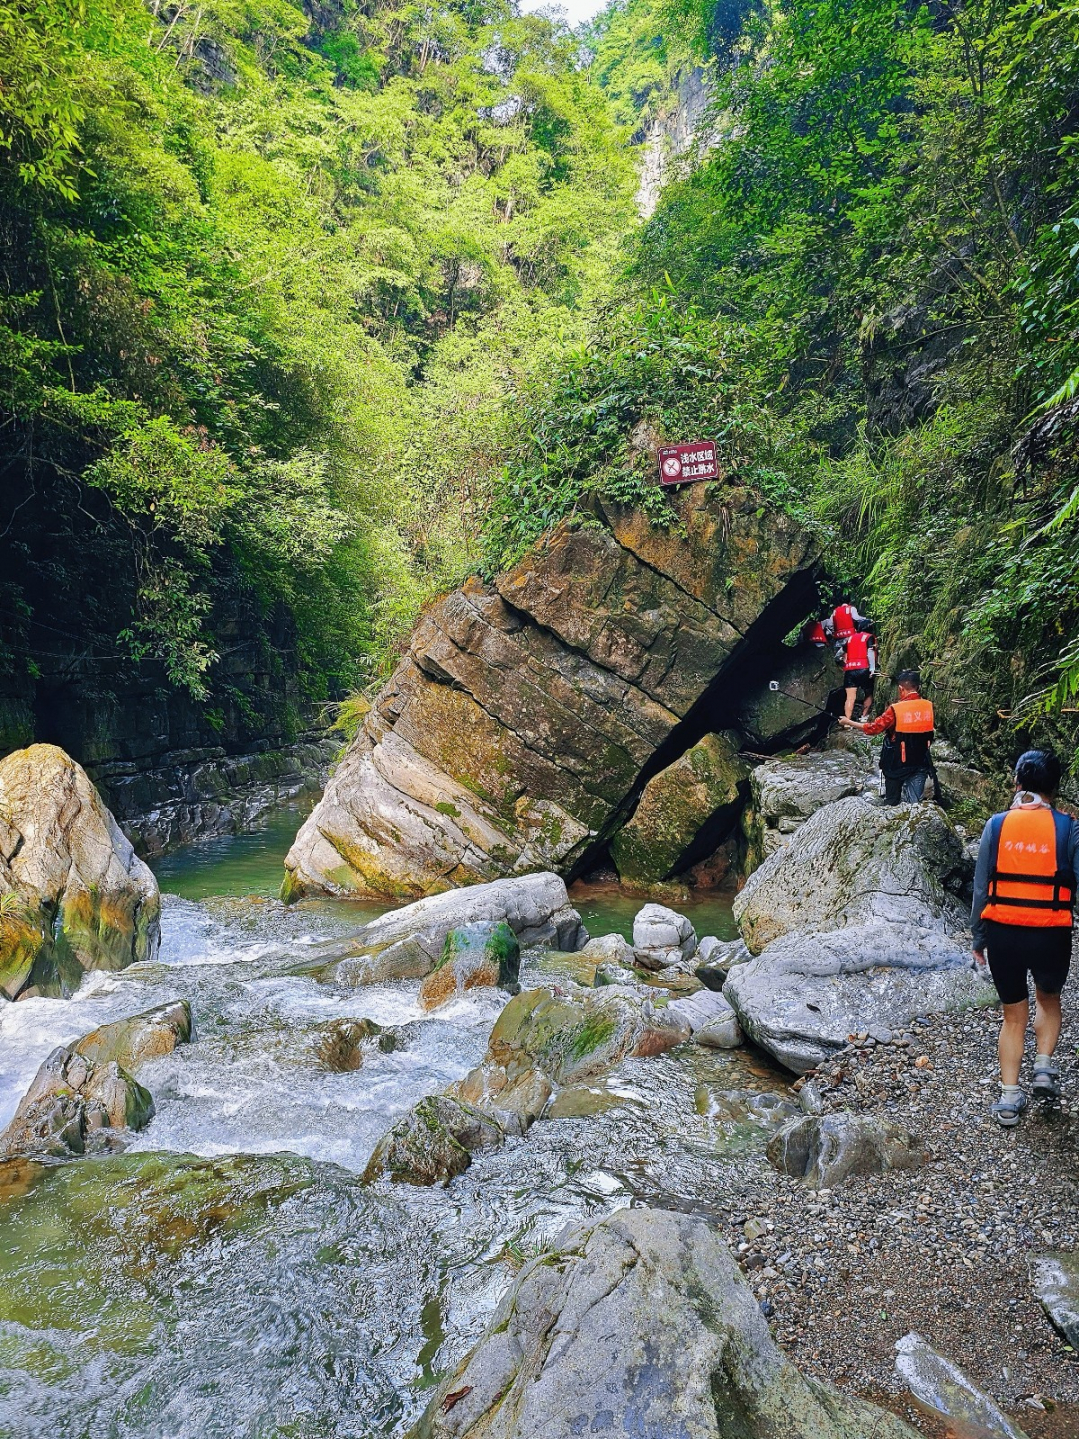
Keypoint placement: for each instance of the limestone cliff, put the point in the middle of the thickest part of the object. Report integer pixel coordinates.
(529, 715)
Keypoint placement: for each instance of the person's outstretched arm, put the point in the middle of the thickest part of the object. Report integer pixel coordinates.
(981, 894)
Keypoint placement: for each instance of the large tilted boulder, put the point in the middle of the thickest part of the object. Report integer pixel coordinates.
(684, 812)
(71, 1104)
(131, 1042)
(520, 728)
(73, 894)
(545, 1038)
(792, 702)
(785, 792)
(409, 943)
(640, 1324)
(854, 925)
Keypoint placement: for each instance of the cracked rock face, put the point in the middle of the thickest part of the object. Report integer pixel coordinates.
(528, 716)
(73, 894)
(853, 927)
(785, 792)
(70, 1105)
(641, 1324)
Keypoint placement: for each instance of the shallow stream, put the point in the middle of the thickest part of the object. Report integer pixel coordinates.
(228, 1275)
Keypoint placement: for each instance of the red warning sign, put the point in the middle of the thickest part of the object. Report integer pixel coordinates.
(683, 464)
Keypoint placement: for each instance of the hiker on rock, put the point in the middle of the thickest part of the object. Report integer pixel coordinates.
(1022, 917)
(859, 670)
(907, 726)
(815, 633)
(842, 623)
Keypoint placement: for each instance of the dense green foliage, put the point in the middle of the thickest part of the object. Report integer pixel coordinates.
(883, 246)
(265, 283)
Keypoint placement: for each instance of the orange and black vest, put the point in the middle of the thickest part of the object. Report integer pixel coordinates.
(842, 622)
(909, 748)
(1030, 877)
(857, 652)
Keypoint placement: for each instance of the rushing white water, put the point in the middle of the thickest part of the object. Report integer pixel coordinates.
(262, 1290)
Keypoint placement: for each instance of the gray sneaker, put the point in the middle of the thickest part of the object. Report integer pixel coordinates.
(1046, 1086)
(1006, 1112)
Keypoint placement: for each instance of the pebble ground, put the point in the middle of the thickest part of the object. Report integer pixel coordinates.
(943, 1250)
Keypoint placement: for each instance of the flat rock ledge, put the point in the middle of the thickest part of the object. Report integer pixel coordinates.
(640, 1324)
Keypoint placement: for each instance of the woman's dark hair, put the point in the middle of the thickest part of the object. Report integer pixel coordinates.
(1038, 770)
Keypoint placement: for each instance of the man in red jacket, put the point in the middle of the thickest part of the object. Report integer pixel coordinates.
(907, 727)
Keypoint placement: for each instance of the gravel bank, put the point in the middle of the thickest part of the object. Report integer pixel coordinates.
(943, 1250)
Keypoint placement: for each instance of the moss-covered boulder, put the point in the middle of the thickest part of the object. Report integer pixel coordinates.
(70, 1106)
(73, 894)
(684, 812)
(131, 1042)
(433, 1142)
(474, 956)
(546, 1038)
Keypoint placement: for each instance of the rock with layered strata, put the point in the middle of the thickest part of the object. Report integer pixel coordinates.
(131, 1042)
(518, 732)
(74, 896)
(785, 792)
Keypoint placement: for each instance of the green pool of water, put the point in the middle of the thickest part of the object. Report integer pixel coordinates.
(606, 910)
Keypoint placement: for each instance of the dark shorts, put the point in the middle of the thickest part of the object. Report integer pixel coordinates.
(1014, 950)
(859, 680)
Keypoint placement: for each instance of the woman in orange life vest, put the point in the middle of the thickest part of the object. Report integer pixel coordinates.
(907, 726)
(1024, 894)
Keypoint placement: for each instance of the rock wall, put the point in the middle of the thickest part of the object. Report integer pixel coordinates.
(530, 715)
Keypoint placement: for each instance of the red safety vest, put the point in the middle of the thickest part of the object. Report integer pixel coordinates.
(843, 622)
(857, 652)
(815, 634)
(1028, 879)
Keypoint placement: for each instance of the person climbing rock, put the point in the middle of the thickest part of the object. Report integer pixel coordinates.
(844, 620)
(814, 633)
(859, 670)
(907, 725)
(1022, 917)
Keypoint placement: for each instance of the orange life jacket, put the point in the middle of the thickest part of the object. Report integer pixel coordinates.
(1029, 878)
(857, 652)
(913, 730)
(842, 622)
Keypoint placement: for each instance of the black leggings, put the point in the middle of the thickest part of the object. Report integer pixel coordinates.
(1014, 950)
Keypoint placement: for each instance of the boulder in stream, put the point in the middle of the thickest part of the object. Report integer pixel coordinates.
(409, 942)
(433, 1142)
(342, 1043)
(711, 1019)
(824, 1149)
(70, 1105)
(474, 956)
(530, 714)
(662, 937)
(545, 1038)
(74, 896)
(639, 1324)
(131, 1042)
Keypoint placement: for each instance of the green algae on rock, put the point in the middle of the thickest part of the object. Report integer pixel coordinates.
(474, 956)
(131, 1042)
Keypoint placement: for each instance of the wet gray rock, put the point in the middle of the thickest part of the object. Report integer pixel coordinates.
(131, 1042)
(1056, 1283)
(662, 937)
(433, 1142)
(474, 956)
(807, 994)
(639, 1324)
(853, 862)
(855, 927)
(823, 1150)
(764, 1109)
(941, 1387)
(790, 705)
(711, 1019)
(408, 943)
(70, 1106)
(785, 792)
(716, 957)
